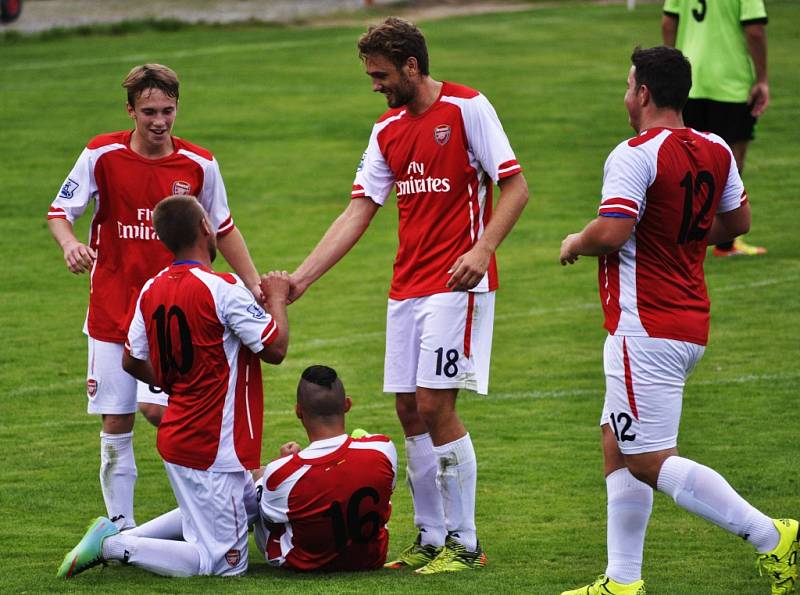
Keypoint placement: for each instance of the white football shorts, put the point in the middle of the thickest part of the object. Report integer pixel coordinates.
(645, 377)
(440, 341)
(110, 389)
(214, 516)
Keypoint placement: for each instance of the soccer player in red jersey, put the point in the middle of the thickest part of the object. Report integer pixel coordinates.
(442, 147)
(126, 174)
(326, 507)
(667, 193)
(200, 336)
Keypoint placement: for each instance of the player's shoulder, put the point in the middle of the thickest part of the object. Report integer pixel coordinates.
(377, 443)
(109, 138)
(279, 470)
(390, 113)
(458, 91)
(216, 277)
(185, 145)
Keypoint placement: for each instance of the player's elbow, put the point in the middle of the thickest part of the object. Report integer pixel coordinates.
(274, 353)
(756, 32)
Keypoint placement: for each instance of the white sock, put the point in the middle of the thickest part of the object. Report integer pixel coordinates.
(705, 492)
(118, 477)
(456, 479)
(160, 556)
(167, 526)
(630, 502)
(421, 478)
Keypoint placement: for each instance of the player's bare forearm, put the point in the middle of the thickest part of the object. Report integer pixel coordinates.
(234, 249)
(727, 226)
(468, 269)
(756, 36)
(78, 257)
(341, 236)
(139, 369)
(669, 29)
(275, 289)
(602, 235)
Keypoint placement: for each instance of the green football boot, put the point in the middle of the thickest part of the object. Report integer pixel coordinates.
(781, 563)
(414, 556)
(454, 557)
(606, 586)
(89, 551)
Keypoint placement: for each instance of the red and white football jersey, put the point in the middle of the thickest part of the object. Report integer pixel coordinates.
(673, 181)
(442, 164)
(126, 188)
(192, 324)
(327, 506)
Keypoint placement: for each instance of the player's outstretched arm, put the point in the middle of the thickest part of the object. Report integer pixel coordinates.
(469, 268)
(602, 235)
(234, 249)
(275, 288)
(337, 241)
(78, 256)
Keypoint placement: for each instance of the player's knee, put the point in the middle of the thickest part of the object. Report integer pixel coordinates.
(118, 424)
(152, 412)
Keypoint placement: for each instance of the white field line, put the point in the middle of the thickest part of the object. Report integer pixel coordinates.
(209, 51)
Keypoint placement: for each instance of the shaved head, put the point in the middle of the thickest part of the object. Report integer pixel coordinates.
(320, 393)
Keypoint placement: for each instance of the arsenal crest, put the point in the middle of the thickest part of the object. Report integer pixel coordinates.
(181, 187)
(442, 134)
(232, 557)
(91, 387)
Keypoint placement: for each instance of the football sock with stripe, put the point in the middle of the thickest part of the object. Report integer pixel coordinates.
(630, 503)
(456, 478)
(705, 492)
(421, 477)
(118, 476)
(160, 556)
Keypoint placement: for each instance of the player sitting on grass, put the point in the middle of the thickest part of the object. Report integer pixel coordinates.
(188, 335)
(326, 507)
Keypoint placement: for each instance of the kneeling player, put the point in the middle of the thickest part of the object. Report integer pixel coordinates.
(326, 507)
(187, 336)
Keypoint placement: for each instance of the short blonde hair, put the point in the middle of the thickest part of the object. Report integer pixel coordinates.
(151, 76)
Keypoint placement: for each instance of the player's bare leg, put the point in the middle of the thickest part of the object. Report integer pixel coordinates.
(118, 468)
(421, 476)
(152, 412)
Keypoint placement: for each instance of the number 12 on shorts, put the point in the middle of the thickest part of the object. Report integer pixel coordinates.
(622, 422)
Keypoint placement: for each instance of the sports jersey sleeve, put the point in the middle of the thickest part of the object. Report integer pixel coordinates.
(255, 328)
(487, 139)
(374, 178)
(734, 195)
(672, 7)
(76, 191)
(752, 10)
(136, 344)
(274, 504)
(215, 200)
(627, 175)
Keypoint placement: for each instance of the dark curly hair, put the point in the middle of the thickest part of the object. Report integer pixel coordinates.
(398, 40)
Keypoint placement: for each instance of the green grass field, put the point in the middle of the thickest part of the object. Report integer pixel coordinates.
(288, 112)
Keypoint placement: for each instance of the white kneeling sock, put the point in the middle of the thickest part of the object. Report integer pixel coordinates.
(705, 492)
(421, 478)
(167, 526)
(160, 556)
(118, 477)
(630, 502)
(456, 478)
